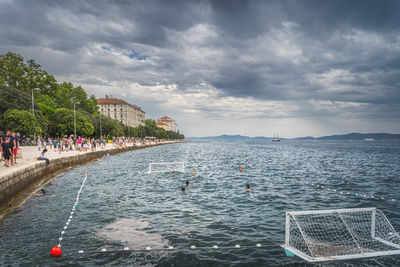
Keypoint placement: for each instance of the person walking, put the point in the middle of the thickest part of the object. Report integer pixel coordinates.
(6, 149)
(16, 146)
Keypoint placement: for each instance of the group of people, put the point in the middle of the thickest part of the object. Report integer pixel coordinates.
(66, 144)
(9, 148)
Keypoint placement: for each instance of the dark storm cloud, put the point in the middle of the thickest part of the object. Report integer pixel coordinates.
(271, 50)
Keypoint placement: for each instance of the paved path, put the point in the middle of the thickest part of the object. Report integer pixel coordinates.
(30, 152)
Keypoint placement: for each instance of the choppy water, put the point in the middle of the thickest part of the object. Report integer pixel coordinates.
(121, 205)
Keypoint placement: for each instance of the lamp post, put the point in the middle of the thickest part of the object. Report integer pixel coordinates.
(75, 119)
(101, 134)
(33, 112)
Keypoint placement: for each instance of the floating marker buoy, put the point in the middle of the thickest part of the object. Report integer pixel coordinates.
(170, 247)
(103, 250)
(56, 251)
(80, 251)
(126, 248)
(192, 247)
(240, 169)
(237, 246)
(85, 172)
(193, 173)
(215, 246)
(148, 248)
(258, 245)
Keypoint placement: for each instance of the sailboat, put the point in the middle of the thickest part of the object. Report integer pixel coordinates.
(276, 139)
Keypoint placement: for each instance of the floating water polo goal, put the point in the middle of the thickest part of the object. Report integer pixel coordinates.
(339, 234)
(166, 167)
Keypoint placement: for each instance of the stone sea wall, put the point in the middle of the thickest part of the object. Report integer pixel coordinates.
(17, 183)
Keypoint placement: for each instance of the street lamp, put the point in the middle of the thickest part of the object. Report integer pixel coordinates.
(75, 118)
(33, 112)
(101, 134)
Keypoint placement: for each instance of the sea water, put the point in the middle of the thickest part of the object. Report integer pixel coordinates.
(121, 205)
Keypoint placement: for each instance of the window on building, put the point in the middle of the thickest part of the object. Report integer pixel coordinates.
(108, 109)
(122, 109)
(115, 109)
(101, 109)
(115, 116)
(122, 116)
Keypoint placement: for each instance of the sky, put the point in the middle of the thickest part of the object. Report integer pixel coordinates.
(255, 68)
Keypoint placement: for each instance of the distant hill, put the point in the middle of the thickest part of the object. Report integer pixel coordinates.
(344, 137)
(359, 136)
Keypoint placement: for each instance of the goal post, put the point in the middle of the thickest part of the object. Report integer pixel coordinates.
(339, 234)
(158, 167)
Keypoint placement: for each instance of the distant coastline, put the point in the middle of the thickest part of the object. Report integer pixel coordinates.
(343, 137)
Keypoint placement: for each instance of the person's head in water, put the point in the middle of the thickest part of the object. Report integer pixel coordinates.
(248, 187)
(40, 193)
(174, 172)
(187, 183)
(183, 189)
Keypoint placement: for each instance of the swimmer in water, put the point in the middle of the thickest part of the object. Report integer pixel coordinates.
(187, 183)
(174, 172)
(183, 190)
(41, 192)
(248, 187)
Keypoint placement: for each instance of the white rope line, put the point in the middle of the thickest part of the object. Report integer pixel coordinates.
(336, 191)
(72, 211)
(170, 248)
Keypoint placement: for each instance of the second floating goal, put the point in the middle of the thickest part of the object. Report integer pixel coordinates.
(158, 167)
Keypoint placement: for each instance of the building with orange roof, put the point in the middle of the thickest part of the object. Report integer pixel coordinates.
(162, 125)
(168, 122)
(118, 109)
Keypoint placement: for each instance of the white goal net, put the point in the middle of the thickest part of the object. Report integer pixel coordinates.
(166, 167)
(339, 234)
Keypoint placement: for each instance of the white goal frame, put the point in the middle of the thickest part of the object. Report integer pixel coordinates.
(392, 248)
(166, 169)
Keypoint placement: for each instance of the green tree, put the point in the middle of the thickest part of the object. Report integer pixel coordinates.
(13, 98)
(15, 73)
(20, 121)
(110, 127)
(12, 70)
(62, 123)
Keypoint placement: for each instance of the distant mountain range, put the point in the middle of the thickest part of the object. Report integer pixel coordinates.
(344, 137)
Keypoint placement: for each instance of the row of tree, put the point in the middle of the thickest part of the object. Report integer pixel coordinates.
(56, 106)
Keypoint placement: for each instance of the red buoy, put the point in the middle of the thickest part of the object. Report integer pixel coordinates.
(240, 169)
(56, 251)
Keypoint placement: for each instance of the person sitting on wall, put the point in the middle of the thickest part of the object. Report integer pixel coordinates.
(41, 157)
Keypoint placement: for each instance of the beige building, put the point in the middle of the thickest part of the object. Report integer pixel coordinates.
(118, 109)
(167, 123)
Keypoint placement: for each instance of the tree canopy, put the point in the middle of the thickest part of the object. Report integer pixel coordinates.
(21, 81)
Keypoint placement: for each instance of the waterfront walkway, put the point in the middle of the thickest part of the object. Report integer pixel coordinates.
(30, 152)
